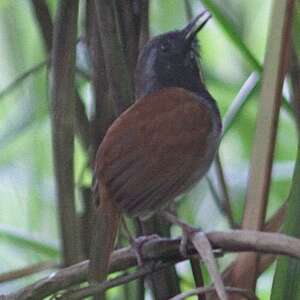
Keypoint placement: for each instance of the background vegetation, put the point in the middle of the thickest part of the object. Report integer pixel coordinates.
(29, 233)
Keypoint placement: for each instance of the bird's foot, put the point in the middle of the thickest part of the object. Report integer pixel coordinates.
(138, 243)
(204, 249)
(188, 231)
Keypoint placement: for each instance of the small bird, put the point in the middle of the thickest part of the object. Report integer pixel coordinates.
(159, 147)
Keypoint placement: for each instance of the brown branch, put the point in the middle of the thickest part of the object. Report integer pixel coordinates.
(100, 288)
(197, 274)
(141, 273)
(165, 249)
(63, 115)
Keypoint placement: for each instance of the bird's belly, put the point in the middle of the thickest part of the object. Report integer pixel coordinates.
(201, 168)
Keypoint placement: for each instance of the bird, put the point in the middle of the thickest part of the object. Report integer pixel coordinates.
(161, 146)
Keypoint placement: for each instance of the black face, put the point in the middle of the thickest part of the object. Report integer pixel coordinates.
(170, 60)
(175, 61)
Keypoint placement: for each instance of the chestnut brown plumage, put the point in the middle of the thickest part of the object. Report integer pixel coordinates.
(161, 145)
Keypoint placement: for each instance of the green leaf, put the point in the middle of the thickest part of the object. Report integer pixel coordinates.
(230, 31)
(287, 274)
(233, 35)
(27, 241)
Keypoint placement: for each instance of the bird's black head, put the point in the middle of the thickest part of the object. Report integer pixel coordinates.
(170, 60)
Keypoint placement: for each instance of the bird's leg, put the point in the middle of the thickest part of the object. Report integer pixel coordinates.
(137, 243)
(203, 247)
(187, 231)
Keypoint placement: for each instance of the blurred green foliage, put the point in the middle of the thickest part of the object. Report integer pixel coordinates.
(27, 205)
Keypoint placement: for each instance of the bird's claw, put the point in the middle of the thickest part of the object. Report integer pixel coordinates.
(138, 244)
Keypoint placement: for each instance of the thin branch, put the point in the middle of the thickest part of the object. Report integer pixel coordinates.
(224, 190)
(123, 279)
(239, 101)
(235, 108)
(208, 290)
(215, 195)
(235, 240)
(232, 113)
(275, 222)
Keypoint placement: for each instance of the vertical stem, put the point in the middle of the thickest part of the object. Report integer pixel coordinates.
(224, 190)
(121, 87)
(262, 157)
(43, 18)
(164, 284)
(198, 276)
(63, 112)
(45, 23)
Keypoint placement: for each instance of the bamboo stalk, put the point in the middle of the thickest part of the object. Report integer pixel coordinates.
(63, 115)
(275, 66)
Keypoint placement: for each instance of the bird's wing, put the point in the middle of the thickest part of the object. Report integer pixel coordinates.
(153, 149)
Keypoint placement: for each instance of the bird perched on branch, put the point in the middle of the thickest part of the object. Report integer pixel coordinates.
(159, 147)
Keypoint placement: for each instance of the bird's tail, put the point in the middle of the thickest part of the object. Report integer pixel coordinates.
(106, 225)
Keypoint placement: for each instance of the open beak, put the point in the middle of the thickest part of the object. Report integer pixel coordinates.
(195, 26)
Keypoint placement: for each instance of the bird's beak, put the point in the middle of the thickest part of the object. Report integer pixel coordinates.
(195, 26)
